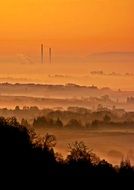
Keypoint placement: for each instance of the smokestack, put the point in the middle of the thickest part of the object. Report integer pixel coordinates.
(50, 55)
(42, 53)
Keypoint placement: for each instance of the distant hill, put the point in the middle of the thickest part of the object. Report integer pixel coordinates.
(44, 95)
(59, 91)
(123, 57)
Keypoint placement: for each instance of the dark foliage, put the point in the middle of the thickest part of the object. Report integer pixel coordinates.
(21, 154)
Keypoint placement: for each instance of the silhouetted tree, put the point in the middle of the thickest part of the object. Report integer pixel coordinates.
(49, 141)
(107, 119)
(74, 124)
(104, 168)
(126, 168)
(78, 152)
(12, 121)
(17, 108)
(59, 123)
(95, 124)
(40, 122)
(25, 123)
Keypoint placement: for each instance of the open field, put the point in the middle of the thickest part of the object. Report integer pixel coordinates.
(110, 145)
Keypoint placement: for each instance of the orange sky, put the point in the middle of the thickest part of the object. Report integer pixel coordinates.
(69, 26)
(74, 29)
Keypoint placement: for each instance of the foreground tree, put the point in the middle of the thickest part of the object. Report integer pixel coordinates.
(78, 152)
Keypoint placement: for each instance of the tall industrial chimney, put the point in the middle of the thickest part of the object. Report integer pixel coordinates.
(50, 55)
(42, 53)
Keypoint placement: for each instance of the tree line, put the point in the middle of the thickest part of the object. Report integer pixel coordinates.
(106, 122)
(72, 117)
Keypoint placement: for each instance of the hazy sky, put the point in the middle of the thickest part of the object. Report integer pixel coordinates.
(71, 27)
(74, 29)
